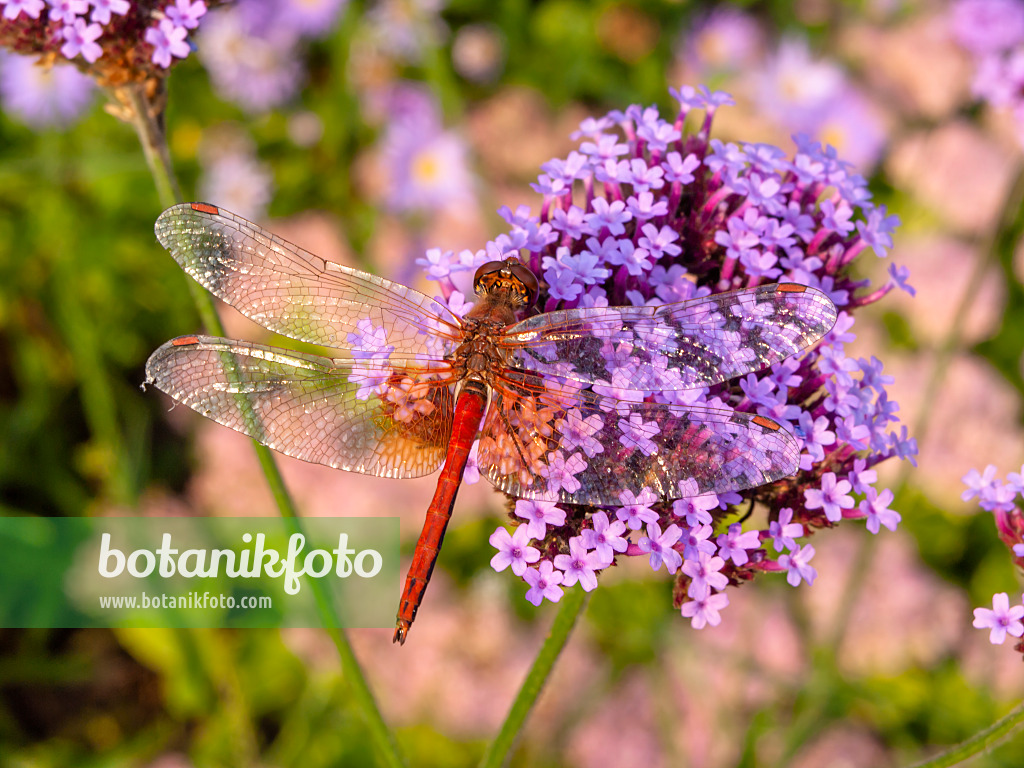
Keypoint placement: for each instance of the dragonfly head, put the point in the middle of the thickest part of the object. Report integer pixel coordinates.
(509, 276)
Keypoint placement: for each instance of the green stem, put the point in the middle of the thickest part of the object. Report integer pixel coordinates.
(146, 119)
(951, 343)
(982, 741)
(570, 608)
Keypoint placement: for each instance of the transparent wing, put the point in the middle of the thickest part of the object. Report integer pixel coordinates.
(684, 345)
(295, 293)
(551, 440)
(371, 416)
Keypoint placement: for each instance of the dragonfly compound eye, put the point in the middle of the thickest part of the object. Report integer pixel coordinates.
(509, 275)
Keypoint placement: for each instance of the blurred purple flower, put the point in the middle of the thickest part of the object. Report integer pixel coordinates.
(251, 53)
(726, 41)
(987, 26)
(313, 18)
(427, 167)
(233, 175)
(40, 96)
(993, 32)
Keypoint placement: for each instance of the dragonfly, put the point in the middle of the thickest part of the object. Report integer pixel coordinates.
(577, 406)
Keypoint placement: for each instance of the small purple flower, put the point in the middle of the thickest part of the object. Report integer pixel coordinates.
(102, 9)
(659, 242)
(734, 544)
(1018, 550)
(167, 40)
(543, 581)
(877, 231)
(876, 507)
(513, 550)
(679, 169)
(705, 611)
(816, 435)
(579, 565)
(539, 514)
(80, 38)
(611, 216)
(833, 497)
(636, 509)
(637, 434)
(861, 477)
(695, 510)
(31, 8)
(183, 13)
(67, 11)
(1016, 480)
(977, 484)
(993, 493)
(561, 472)
(783, 532)
(704, 575)
(1001, 619)
(605, 538)
(698, 540)
(439, 264)
(797, 563)
(578, 432)
(659, 545)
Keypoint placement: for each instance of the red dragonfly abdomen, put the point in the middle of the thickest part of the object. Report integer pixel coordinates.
(469, 411)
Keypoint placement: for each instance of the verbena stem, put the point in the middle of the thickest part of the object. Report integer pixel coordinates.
(570, 608)
(145, 119)
(982, 741)
(1003, 236)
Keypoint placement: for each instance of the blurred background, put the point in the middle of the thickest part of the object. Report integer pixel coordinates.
(369, 132)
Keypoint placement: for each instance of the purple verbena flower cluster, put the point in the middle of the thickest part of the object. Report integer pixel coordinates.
(114, 41)
(645, 213)
(1001, 498)
(992, 31)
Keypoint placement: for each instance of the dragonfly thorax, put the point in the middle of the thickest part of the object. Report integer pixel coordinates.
(478, 355)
